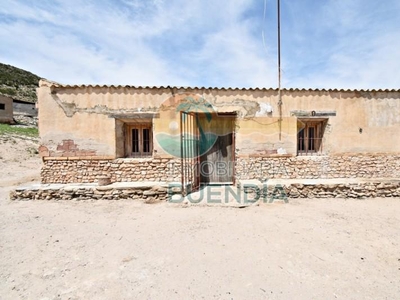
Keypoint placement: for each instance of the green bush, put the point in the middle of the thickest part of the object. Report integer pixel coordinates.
(16, 130)
(8, 91)
(17, 83)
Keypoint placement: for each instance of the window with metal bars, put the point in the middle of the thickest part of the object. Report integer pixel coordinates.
(310, 137)
(139, 142)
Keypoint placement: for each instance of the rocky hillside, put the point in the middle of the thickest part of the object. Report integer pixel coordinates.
(17, 83)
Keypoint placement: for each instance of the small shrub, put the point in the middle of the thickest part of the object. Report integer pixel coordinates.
(18, 130)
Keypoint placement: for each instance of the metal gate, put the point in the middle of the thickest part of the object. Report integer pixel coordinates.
(190, 160)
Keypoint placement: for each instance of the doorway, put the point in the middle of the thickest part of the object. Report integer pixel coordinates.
(217, 154)
(207, 149)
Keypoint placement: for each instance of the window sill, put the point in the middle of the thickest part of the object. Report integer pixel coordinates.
(314, 155)
(138, 158)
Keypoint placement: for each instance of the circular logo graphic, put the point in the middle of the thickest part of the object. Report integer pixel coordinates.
(187, 128)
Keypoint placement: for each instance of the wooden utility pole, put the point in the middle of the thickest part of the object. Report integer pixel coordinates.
(279, 71)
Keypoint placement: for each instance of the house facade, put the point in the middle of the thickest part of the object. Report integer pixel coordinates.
(215, 135)
(6, 110)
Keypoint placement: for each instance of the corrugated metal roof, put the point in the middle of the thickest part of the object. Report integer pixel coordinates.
(58, 85)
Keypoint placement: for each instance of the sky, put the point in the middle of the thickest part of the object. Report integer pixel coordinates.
(349, 44)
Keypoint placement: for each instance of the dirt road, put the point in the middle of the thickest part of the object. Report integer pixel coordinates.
(306, 249)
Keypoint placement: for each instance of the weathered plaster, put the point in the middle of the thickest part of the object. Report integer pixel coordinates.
(84, 114)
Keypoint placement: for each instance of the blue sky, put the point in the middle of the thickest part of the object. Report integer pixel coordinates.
(325, 44)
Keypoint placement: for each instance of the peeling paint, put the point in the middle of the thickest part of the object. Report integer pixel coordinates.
(96, 112)
(68, 148)
(265, 109)
(246, 108)
(70, 109)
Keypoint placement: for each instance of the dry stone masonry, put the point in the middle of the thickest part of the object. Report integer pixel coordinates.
(147, 192)
(71, 170)
(119, 170)
(155, 192)
(313, 167)
(345, 176)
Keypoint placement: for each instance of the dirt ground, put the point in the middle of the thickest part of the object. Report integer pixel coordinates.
(306, 249)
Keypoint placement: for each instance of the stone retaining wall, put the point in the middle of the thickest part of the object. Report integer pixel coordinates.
(146, 193)
(350, 190)
(119, 170)
(72, 170)
(313, 167)
(259, 192)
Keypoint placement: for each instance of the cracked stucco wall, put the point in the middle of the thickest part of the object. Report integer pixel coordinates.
(84, 116)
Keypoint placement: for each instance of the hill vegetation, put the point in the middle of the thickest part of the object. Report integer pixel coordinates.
(17, 83)
(17, 131)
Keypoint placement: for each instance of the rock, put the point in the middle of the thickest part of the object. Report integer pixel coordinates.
(149, 193)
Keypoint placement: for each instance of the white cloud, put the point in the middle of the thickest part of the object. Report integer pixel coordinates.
(350, 44)
(83, 44)
(334, 44)
(236, 59)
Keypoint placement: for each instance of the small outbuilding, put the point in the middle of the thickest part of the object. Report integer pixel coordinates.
(25, 108)
(6, 110)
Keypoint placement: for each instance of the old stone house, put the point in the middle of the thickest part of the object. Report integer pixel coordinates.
(215, 135)
(6, 110)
